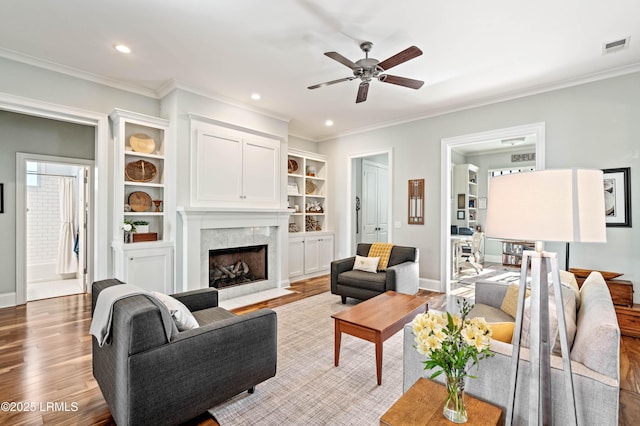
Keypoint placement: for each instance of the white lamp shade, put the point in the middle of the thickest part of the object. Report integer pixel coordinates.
(548, 205)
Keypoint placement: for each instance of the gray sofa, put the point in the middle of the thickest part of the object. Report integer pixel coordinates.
(147, 379)
(401, 275)
(595, 364)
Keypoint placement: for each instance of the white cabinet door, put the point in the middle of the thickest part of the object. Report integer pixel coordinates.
(325, 252)
(231, 168)
(296, 257)
(311, 255)
(150, 269)
(218, 160)
(261, 172)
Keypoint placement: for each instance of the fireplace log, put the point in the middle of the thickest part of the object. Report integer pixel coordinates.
(225, 271)
(245, 268)
(236, 267)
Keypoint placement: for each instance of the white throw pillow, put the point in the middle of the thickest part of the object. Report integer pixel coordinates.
(367, 264)
(181, 314)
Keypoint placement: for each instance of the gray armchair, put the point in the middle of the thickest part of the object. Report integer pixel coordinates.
(401, 275)
(147, 379)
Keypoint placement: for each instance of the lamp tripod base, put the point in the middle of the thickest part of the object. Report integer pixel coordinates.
(539, 351)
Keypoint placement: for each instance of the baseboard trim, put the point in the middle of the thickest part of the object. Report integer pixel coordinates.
(429, 284)
(7, 299)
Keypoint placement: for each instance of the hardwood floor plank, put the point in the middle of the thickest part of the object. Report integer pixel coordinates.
(45, 356)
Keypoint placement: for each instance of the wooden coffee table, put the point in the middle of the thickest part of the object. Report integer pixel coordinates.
(377, 319)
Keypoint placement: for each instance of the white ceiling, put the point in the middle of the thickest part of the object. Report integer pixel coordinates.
(475, 52)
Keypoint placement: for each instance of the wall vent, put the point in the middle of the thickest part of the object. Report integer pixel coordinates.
(614, 46)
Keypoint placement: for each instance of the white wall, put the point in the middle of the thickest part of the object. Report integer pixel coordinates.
(593, 125)
(177, 106)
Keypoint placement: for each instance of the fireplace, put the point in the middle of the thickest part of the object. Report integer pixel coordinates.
(238, 265)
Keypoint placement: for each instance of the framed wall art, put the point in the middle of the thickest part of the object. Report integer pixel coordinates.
(617, 196)
(460, 215)
(416, 202)
(482, 203)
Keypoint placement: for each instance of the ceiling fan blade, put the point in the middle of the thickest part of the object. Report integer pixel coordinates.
(398, 58)
(340, 80)
(344, 61)
(401, 81)
(362, 92)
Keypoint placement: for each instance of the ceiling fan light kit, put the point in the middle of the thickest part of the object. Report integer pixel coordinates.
(367, 69)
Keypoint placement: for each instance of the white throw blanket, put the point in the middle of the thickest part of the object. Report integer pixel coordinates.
(103, 312)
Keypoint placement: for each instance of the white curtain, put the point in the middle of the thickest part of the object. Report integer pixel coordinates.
(67, 260)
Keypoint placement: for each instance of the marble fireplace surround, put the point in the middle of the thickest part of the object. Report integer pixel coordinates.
(205, 229)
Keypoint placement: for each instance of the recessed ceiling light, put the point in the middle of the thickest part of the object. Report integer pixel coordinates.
(328, 123)
(255, 96)
(122, 48)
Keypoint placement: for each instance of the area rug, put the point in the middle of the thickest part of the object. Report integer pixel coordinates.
(307, 388)
(483, 275)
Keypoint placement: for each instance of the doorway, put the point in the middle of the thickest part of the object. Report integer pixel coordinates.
(369, 198)
(57, 212)
(535, 131)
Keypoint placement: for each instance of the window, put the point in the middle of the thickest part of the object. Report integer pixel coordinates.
(511, 170)
(32, 174)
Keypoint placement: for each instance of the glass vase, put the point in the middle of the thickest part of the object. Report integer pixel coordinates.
(454, 408)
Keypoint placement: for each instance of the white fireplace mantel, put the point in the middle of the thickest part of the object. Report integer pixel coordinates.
(195, 220)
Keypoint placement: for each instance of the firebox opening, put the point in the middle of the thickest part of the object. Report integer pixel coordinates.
(239, 265)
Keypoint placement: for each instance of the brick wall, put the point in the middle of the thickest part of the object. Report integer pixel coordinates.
(43, 221)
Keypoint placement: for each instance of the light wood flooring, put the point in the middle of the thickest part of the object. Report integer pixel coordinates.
(45, 356)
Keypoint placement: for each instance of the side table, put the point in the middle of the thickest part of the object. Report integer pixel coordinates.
(423, 403)
(629, 320)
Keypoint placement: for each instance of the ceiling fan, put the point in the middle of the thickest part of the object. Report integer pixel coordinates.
(368, 68)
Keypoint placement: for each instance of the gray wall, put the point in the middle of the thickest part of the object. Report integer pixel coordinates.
(50, 86)
(595, 125)
(22, 133)
(303, 144)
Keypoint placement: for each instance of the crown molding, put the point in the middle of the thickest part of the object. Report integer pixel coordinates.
(74, 72)
(173, 85)
(536, 90)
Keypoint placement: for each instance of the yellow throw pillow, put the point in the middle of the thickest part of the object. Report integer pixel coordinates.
(502, 331)
(510, 301)
(383, 251)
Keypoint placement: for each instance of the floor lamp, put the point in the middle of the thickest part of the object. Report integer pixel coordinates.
(549, 205)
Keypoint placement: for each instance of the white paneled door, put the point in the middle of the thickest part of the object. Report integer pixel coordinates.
(375, 198)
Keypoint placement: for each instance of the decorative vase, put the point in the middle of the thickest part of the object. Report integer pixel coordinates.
(454, 408)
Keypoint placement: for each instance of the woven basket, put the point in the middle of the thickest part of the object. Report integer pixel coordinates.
(139, 201)
(142, 143)
(140, 171)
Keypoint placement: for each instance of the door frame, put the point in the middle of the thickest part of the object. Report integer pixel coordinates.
(351, 190)
(538, 129)
(100, 262)
(21, 211)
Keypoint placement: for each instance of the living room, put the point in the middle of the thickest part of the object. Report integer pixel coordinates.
(590, 120)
